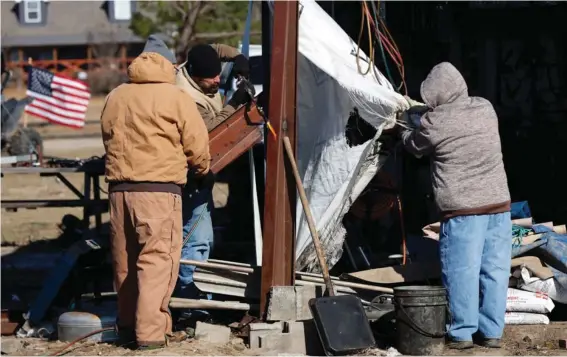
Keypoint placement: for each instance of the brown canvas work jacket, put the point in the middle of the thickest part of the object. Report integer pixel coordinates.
(152, 130)
(210, 106)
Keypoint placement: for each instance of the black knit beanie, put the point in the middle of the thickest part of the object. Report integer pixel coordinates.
(203, 61)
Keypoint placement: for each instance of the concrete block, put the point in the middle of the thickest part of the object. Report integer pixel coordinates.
(284, 343)
(302, 296)
(297, 337)
(563, 344)
(257, 330)
(212, 333)
(281, 305)
(305, 336)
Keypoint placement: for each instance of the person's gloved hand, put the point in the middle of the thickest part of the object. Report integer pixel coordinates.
(206, 182)
(240, 97)
(241, 66)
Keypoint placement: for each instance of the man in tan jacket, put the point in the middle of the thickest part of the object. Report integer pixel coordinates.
(152, 133)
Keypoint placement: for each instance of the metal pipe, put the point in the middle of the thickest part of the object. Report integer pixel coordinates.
(216, 266)
(178, 303)
(352, 285)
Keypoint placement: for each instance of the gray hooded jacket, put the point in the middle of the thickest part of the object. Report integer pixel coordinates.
(461, 136)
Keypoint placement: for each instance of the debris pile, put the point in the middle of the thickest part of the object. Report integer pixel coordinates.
(527, 308)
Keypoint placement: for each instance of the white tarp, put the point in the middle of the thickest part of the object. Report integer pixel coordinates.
(329, 88)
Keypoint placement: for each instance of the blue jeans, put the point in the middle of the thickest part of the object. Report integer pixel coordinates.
(475, 254)
(197, 237)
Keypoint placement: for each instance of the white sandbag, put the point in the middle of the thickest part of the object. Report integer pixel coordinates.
(527, 301)
(525, 318)
(551, 287)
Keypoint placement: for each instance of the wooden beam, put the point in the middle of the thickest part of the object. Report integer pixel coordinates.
(280, 194)
(123, 58)
(238, 134)
(89, 57)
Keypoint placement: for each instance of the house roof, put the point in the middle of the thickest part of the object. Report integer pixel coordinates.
(68, 23)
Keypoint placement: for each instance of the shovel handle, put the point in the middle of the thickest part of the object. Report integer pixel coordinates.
(309, 217)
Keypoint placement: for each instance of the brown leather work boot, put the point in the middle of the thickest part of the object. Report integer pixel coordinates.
(177, 336)
(491, 343)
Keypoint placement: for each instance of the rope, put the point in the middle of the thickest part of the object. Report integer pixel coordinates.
(518, 234)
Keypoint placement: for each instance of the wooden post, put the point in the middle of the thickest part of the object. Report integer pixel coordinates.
(25, 118)
(278, 253)
(89, 57)
(54, 57)
(20, 66)
(123, 59)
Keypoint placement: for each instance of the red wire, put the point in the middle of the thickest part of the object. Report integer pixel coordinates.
(388, 43)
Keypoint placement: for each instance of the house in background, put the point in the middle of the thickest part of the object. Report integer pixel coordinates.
(68, 36)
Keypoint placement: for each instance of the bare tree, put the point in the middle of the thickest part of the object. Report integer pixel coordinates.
(178, 21)
(104, 46)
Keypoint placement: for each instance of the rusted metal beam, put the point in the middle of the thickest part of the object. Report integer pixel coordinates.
(235, 136)
(280, 196)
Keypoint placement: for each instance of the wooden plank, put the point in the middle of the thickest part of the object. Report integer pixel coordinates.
(280, 195)
(12, 204)
(239, 133)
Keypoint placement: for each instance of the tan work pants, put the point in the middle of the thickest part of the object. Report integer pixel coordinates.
(145, 235)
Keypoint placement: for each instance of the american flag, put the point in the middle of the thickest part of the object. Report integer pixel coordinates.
(57, 99)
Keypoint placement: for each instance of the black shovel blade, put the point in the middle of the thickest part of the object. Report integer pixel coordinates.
(342, 324)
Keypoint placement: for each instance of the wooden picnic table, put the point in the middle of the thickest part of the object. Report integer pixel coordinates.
(89, 198)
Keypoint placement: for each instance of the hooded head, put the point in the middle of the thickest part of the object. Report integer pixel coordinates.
(154, 64)
(155, 44)
(444, 84)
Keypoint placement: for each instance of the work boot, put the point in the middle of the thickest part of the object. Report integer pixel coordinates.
(154, 346)
(177, 336)
(459, 345)
(491, 343)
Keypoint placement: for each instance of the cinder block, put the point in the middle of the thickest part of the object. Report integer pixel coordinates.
(305, 336)
(257, 330)
(297, 337)
(302, 296)
(283, 343)
(563, 344)
(281, 306)
(212, 333)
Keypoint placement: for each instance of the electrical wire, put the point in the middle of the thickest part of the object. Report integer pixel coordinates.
(370, 51)
(388, 73)
(96, 332)
(385, 42)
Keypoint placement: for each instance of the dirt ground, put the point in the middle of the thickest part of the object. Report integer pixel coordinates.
(236, 347)
(36, 347)
(25, 226)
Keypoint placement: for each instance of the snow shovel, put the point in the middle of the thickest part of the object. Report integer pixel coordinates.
(340, 320)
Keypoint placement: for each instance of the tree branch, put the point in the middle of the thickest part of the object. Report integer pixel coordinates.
(219, 35)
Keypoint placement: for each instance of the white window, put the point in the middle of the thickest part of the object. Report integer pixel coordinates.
(122, 10)
(32, 11)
